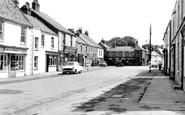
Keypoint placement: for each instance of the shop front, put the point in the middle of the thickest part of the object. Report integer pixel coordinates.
(12, 61)
(70, 54)
(52, 61)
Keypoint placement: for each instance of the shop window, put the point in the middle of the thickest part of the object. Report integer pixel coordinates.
(17, 62)
(52, 42)
(42, 40)
(36, 43)
(52, 60)
(3, 62)
(1, 31)
(36, 62)
(23, 35)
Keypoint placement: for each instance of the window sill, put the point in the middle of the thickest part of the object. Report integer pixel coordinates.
(52, 65)
(22, 43)
(36, 50)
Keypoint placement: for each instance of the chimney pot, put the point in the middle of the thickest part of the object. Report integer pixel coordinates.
(86, 33)
(36, 5)
(80, 30)
(16, 2)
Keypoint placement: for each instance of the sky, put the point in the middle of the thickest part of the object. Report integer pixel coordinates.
(112, 18)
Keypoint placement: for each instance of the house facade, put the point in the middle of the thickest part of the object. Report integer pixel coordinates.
(45, 54)
(66, 39)
(15, 41)
(174, 39)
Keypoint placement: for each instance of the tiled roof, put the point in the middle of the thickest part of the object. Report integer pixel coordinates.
(10, 11)
(92, 41)
(52, 22)
(121, 48)
(85, 39)
(79, 40)
(36, 23)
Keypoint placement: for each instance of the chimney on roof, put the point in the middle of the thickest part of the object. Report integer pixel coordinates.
(26, 8)
(80, 30)
(86, 33)
(16, 2)
(36, 5)
(72, 30)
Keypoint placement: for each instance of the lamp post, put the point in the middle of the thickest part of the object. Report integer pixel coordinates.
(150, 48)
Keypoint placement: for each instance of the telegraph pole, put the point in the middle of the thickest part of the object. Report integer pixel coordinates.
(150, 48)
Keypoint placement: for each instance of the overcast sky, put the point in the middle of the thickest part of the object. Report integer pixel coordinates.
(112, 18)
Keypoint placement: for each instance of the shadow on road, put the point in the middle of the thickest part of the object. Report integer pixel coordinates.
(125, 97)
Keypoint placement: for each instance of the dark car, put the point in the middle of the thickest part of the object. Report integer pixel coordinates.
(118, 63)
(103, 64)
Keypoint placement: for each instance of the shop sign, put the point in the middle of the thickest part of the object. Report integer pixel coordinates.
(1, 49)
(13, 50)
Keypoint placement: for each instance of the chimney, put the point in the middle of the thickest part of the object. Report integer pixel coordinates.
(26, 9)
(80, 30)
(36, 5)
(16, 2)
(86, 33)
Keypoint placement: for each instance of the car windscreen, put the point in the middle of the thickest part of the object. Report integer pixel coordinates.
(69, 63)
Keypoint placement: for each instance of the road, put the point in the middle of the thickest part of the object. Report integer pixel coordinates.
(41, 96)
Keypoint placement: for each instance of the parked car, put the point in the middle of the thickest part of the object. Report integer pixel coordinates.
(72, 67)
(103, 64)
(118, 63)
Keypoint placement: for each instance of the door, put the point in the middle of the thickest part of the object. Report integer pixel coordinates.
(47, 63)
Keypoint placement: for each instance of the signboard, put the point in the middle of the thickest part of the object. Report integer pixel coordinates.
(14, 50)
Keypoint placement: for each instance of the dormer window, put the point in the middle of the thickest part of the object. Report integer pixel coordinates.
(1, 31)
(23, 35)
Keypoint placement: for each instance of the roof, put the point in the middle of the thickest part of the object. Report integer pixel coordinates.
(85, 39)
(92, 41)
(36, 23)
(52, 22)
(10, 11)
(79, 40)
(137, 47)
(121, 48)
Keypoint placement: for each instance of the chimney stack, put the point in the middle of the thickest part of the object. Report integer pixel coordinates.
(86, 33)
(80, 30)
(36, 5)
(26, 9)
(16, 2)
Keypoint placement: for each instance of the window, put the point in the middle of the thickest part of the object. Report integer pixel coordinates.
(42, 40)
(36, 62)
(86, 48)
(3, 62)
(52, 42)
(23, 35)
(36, 42)
(1, 31)
(64, 40)
(52, 60)
(81, 48)
(17, 62)
(71, 41)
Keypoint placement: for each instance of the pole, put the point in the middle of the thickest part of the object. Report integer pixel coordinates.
(150, 49)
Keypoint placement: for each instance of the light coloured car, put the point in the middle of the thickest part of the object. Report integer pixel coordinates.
(72, 67)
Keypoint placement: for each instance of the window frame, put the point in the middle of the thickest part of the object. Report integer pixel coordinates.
(52, 42)
(36, 45)
(42, 40)
(35, 62)
(23, 35)
(1, 31)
